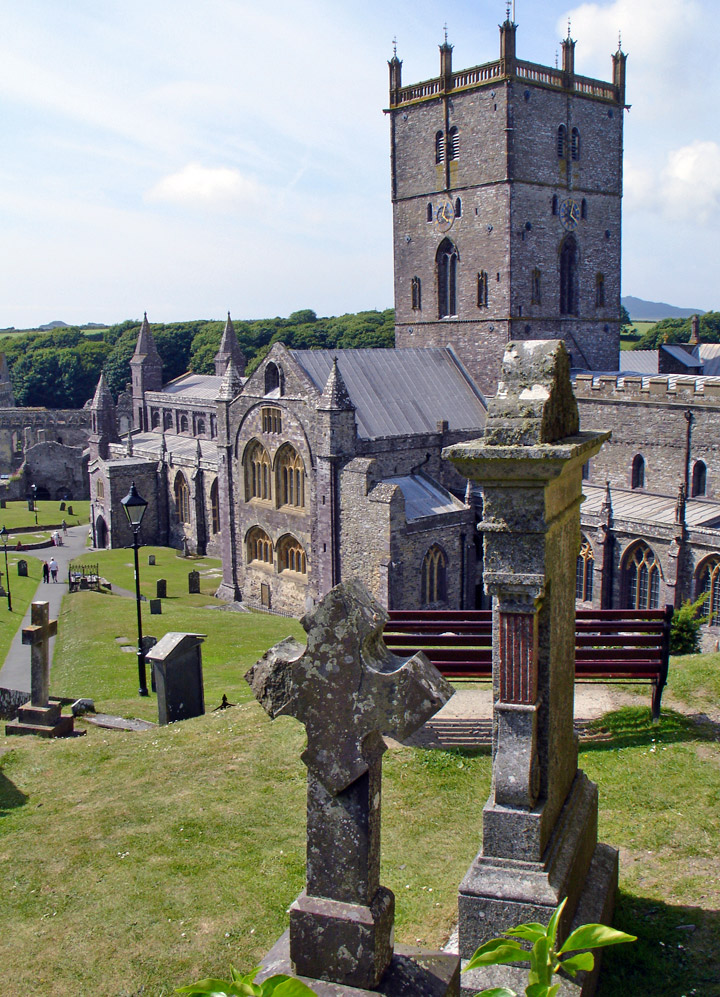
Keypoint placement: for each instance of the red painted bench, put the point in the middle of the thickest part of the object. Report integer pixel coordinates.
(611, 645)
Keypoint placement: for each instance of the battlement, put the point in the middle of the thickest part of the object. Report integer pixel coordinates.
(669, 388)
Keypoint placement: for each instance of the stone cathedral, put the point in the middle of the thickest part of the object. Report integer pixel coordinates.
(506, 185)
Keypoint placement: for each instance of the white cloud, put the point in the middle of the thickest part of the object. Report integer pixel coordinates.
(207, 186)
(690, 183)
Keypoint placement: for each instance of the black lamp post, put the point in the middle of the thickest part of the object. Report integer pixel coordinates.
(33, 489)
(4, 535)
(135, 506)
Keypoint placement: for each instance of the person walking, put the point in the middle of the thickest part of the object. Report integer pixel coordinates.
(53, 569)
(46, 572)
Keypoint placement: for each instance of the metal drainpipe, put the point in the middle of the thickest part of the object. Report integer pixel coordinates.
(688, 438)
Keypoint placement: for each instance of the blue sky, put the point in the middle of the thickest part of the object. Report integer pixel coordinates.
(191, 158)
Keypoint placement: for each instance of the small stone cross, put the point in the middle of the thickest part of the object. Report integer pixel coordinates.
(38, 635)
(348, 690)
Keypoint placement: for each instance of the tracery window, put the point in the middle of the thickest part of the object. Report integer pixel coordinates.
(182, 498)
(215, 506)
(699, 479)
(100, 490)
(155, 419)
(290, 477)
(291, 555)
(433, 581)
(584, 572)
(708, 581)
(272, 420)
(259, 546)
(638, 471)
(416, 293)
(641, 578)
(258, 473)
(183, 424)
(568, 277)
(447, 260)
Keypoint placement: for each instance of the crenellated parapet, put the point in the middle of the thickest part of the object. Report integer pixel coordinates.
(669, 388)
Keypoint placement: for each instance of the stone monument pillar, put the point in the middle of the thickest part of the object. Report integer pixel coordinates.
(348, 689)
(539, 840)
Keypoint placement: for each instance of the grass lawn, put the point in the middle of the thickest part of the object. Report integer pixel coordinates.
(16, 514)
(21, 590)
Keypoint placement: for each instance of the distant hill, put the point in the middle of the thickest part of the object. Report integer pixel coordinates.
(53, 325)
(653, 311)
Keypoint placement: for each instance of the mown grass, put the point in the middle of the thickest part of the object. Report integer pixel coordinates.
(118, 566)
(21, 591)
(16, 514)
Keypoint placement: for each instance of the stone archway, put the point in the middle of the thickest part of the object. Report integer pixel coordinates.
(101, 532)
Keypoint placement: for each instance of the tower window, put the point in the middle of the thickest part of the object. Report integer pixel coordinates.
(416, 293)
(453, 143)
(575, 144)
(535, 289)
(429, 212)
(599, 290)
(568, 277)
(447, 260)
(482, 289)
(638, 472)
(154, 418)
(439, 147)
(554, 204)
(583, 208)
(699, 479)
(562, 142)
(183, 424)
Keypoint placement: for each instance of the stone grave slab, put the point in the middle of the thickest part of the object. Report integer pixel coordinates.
(176, 662)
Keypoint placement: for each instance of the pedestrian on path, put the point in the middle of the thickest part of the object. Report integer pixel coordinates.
(46, 572)
(53, 569)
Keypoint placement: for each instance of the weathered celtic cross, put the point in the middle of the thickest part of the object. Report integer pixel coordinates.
(38, 635)
(348, 690)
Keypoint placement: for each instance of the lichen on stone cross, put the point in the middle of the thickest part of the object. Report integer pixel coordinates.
(346, 687)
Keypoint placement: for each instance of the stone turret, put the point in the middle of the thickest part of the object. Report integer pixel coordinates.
(146, 368)
(229, 350)
(102, 420)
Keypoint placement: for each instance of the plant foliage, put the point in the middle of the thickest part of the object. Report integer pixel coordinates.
(685, 627)
(279, 985)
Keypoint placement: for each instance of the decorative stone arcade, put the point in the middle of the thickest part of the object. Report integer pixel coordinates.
(539, 841)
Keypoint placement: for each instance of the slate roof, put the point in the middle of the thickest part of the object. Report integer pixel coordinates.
(403, 391)
(681, 355)
(149, 445)
(200, 386)
(710, 356)
(424, 497)
(647, 508)
(639, 361)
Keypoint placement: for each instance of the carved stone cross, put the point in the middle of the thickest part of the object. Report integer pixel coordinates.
(348, 690)
(38, 635)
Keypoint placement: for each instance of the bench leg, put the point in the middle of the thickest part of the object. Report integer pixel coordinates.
(657, 689)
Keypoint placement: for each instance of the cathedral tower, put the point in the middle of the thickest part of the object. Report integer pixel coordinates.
(506, 190)
(146, 369)
(103, 421)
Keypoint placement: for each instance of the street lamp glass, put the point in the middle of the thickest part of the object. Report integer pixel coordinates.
(134, 506)
(3, 534)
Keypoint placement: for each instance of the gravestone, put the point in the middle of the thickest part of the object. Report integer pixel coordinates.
(194, 582)
(539, 835)
(70, 511)
(186, 547)
(2, 590)
(156, 607)
(151, 559)
(31, 505)
(161, 588)
(41, 715)
(62, 507)
(3, 504)
(348, 690)
(22, 568)
(176, 662)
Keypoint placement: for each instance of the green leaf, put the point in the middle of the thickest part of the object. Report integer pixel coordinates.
(211, 987)
(584, 961)
(541, 990)
(595, 936)
(530, 932)
(553, 923)
(293, 988)
(497, 992)
(496, 952)
(540, 961)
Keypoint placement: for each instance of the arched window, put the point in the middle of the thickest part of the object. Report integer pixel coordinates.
(433, 582)
(290, 472)
(429, 212)
(183, 424)
(699, 479)
(100, 490)
(638, 472)
(258, 473)
(554, 204)
(201, 427)
(416, 293)
(599, 290)
(447, 260)
(291, 555)
(458, 208)
(568, 277)
(584, 572)
(575, 144)
(708, 580)
(215, 506)
(273, 379)
(641, 578)
(155, 419)
(482, 289)
(453, 143)
(272, 420)
(167, 420)
(182, 498)
(583, 208)
(439, 147)
(259, 546)
(535, 288)
(562, 142)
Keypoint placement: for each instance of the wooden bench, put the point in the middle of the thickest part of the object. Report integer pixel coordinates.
(611, 645)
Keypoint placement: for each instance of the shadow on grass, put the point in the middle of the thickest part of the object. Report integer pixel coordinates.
(10, 796)
(677, 951)
(632, 727)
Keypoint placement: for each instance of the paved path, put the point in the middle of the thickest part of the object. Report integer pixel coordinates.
(15, 672)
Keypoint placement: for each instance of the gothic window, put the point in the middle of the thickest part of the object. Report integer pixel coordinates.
(584, 572)
(429, 212)
(291, 555)
(215, 507)
(641, 578)
(258, 473)
(259, 546)
(575, 144)
(201, 427)
(458, 208)
(554, 204)
(453, 143)
(439, 147)
(183, 424)
(535, 289)
(583, 208)
(213, 426)
(708, 580)
(433, 582)
(290, 472)
(638, 472)
(273, 379)
(568, 277)
(155, 419)
(416, 293)
(699, 479)
(182, 498)
(482, 289)
(167, 420)
(272, 420)
(562, 142)
(447, 260)
(100, 491)
(599, 290)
